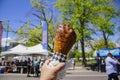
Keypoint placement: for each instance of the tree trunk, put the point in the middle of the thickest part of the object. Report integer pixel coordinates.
(82, 45)
(105, 40)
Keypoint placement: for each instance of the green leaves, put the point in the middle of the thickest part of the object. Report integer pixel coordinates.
(23, 31)
(100, 44)
(81, 13)
(35, 37)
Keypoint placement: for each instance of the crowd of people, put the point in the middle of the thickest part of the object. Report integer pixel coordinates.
(27, 66)
(41, 67)
(110, 63)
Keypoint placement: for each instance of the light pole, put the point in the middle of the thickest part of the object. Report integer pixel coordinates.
(7, 28)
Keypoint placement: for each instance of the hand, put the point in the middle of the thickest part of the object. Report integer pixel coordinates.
(50, 73)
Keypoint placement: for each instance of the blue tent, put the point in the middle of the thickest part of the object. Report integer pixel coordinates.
(103, 52)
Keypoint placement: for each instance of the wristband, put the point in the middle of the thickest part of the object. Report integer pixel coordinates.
(59, 57)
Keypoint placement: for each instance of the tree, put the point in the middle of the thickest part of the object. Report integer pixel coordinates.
(23, 32)
(77, 54)
(33, 32)
(34, 36)
(44, 13)
(102, 20)
(43, 10)
(77, 13)
(80, 13)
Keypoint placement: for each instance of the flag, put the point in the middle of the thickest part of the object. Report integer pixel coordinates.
(45, 35)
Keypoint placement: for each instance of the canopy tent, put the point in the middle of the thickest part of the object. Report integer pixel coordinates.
(36, 50)
(23, 50)
(103, 52)
(17, 50)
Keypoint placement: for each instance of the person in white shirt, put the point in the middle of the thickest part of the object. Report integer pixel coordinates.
(111, 67)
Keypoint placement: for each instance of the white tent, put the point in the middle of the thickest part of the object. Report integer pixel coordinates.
(23, 50)
(36, 50)
(17, 50)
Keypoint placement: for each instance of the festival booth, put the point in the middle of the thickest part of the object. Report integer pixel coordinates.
(36, 52)
(15, 51)
(102, 54)
(22, 52)
(10, 54)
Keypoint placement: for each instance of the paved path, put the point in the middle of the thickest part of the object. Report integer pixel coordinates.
(79, 73)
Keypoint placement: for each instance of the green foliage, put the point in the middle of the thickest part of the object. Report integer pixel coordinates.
(100, 44)
(78, 13)
(35, 37)
(77, 54)
(71, 55)
(103, 18)
(45, 13)
(51, 30)
(81, 11)
(23, 31)
(73, 12)
(88, 54)
(30, 35)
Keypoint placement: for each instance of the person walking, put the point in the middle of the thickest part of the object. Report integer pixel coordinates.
(36, 66)
(102, 66)
(111, 67)
(73, 62)
(29, 64)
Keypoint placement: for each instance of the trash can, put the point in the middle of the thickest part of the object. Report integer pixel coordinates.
(2, 70)
(93, 67)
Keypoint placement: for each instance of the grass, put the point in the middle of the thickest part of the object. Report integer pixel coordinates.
(89, 62)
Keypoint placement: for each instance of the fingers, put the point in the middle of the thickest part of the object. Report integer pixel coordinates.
(47, 62)
(57, 67)
(60, 66)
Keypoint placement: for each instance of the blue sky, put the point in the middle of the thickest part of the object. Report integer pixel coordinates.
(15, 11)
(19, 10)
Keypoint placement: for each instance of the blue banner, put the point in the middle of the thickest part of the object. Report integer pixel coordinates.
(114, 52)
(44, 35)
(1, 31)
